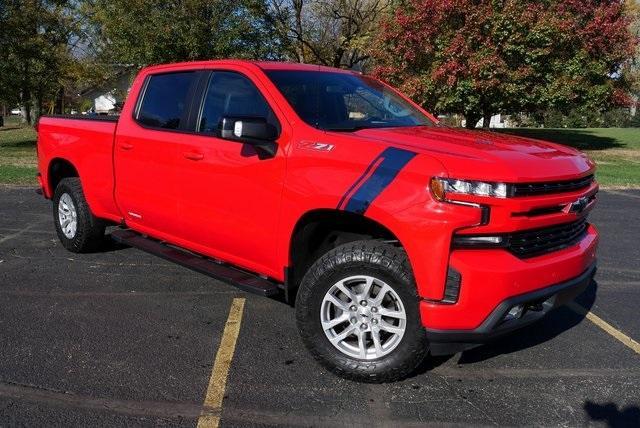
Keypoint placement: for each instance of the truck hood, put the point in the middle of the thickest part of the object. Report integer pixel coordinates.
(487, 155)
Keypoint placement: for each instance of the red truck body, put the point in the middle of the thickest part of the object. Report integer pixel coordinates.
(215, 197)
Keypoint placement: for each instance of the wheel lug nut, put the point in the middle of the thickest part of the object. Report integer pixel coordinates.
(363, 326)
(353, 308)
(353, 320)
(374, 309)
(363, 303)
(374, 321)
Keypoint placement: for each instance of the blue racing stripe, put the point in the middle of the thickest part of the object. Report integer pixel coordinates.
(358, 182)
(393, 160)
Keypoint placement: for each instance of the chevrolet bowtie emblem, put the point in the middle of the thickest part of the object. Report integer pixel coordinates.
(579, 205)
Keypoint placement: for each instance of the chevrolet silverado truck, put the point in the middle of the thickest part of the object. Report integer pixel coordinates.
(392, 234)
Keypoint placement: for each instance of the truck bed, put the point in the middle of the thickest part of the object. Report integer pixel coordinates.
(87, 143)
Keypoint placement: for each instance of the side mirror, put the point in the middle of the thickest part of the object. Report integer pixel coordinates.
(251, 130)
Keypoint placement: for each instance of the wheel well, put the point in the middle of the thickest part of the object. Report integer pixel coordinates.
(319, 231)
(59, 169)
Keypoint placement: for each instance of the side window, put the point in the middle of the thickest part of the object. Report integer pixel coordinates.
(232, 95)
(165, 100)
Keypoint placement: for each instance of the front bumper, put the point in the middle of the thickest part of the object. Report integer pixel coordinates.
(537, 304)
(493, 281)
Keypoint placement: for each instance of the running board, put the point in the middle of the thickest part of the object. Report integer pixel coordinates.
(223, 272)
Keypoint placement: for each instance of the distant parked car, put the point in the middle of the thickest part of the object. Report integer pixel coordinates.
(16, 111)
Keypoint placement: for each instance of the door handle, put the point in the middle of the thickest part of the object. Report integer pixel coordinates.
(193, 156)
(126, 146)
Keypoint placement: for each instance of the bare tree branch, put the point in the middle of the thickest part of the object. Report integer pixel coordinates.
(328, 32)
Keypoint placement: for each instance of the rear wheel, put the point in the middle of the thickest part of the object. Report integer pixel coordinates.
(78, 230)
(357, 312)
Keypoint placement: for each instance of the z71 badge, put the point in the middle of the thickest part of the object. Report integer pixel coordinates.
(315, 145)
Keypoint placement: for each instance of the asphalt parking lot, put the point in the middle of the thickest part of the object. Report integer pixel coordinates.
(125, 338)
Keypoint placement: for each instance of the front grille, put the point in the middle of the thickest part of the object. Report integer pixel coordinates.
(536, 242)
(533, 189)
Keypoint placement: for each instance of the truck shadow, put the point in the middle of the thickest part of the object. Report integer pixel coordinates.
(554, 324)
(612, 415)
(109, 245)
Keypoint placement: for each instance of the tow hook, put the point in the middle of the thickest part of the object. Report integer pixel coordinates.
(535, 307)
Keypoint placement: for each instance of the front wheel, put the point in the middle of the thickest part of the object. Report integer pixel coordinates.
(357, 313)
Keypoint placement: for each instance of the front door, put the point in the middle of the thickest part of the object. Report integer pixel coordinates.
(230, 197)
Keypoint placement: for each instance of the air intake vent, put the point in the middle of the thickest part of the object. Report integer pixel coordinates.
(536, 242)
(452, 288)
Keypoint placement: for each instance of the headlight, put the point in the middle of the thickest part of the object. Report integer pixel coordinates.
(440, 187)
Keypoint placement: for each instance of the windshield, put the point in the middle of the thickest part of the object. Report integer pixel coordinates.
(336, 101)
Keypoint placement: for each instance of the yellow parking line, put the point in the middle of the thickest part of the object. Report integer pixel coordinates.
(626, 340)
(218, 380)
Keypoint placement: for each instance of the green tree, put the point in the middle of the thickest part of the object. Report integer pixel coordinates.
(631, 71)
(481, 57)
(35, 55)
(142, 32)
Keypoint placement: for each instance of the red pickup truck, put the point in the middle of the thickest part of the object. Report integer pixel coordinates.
(393, 234)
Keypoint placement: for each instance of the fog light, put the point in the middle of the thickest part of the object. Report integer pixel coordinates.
(478, 241)
(514, 313)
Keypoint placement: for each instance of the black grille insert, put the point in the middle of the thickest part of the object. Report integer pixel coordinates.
(532, 189)
(536, 242)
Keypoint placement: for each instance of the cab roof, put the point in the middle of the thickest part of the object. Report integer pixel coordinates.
(296, 66)
(264, 65)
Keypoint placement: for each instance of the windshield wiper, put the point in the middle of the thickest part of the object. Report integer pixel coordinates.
(359, 127)
(347, 128)
(373, 126)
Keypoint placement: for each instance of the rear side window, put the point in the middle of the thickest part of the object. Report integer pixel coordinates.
(165, 100)
(231, 94)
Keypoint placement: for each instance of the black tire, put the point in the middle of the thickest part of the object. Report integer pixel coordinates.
(381, 261)
(89, 233)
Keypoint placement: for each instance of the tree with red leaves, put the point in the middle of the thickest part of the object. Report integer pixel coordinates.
(481, 57)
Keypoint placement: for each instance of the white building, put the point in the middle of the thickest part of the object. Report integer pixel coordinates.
(497, 121)
(105, 97)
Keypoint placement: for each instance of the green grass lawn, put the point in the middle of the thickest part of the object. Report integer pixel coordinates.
(615, 150)
(17, 153)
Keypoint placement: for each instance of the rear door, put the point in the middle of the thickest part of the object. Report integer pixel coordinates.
(146, 153)
(229, 196)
